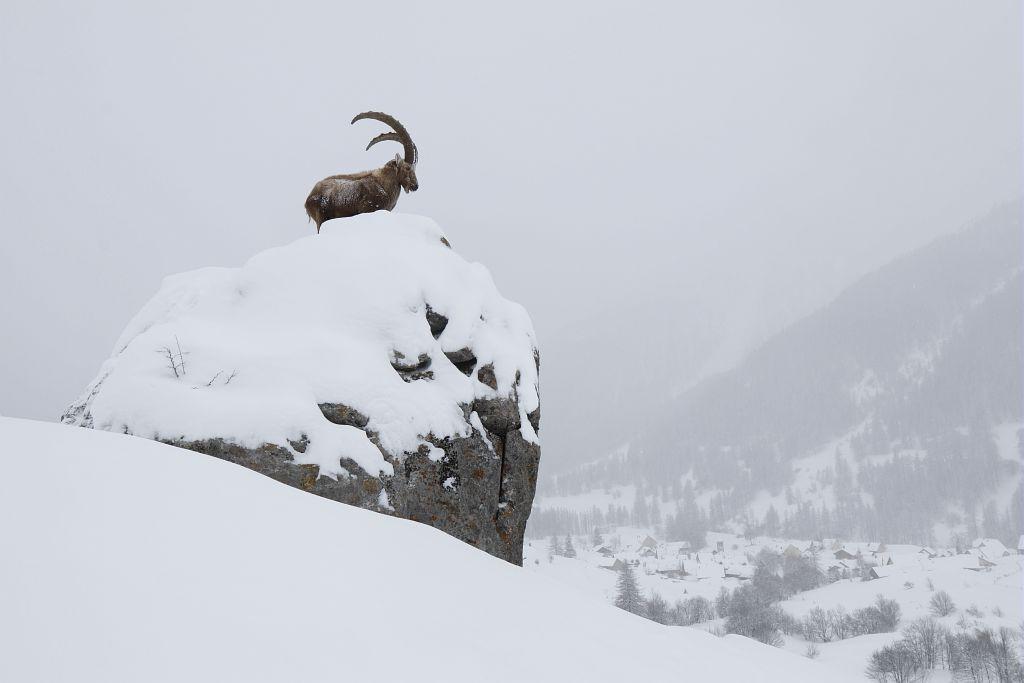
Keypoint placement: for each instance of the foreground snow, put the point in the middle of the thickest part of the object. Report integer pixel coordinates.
(128, 560)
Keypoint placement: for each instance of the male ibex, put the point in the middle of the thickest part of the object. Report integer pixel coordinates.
(341, 196)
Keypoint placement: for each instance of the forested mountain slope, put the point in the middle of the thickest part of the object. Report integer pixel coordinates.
(891, 412)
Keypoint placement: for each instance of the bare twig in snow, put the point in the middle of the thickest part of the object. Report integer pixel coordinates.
(166, 351)
(181, 356)
(175, 361)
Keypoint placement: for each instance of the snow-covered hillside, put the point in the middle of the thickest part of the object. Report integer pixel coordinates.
(892, 413)
(130, 560)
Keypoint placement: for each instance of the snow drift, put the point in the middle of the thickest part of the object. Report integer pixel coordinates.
(370, 364)
(129, 560)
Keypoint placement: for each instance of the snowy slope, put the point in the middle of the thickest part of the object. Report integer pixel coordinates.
(129, 560)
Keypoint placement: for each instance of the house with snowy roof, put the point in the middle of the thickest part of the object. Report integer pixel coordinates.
(604, 551)
(844, 554)
(984, 565)
(991, 547)
(877, 548)
(791, 551)
(672, 569)
(879, 572)
(647, 544)
(840, 569)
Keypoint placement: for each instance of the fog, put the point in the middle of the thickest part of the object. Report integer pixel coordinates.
(661, 187)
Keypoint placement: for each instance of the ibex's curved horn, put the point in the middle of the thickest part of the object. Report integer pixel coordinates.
(384, 137)
(411, 154)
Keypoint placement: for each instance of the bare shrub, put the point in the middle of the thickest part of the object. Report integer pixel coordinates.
(896, 662)
(657, 609)
(927, 637)
(765, 624)
(842, 624)
(817, 626)
(941, 604)
(882, 617)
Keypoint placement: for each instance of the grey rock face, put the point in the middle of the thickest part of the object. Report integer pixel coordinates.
(480, 491)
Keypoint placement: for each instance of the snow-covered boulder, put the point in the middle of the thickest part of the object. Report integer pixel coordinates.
(370, 364)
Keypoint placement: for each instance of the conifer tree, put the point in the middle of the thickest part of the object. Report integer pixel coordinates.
(628, 595)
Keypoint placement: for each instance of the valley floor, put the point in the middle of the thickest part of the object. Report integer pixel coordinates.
(984, 596)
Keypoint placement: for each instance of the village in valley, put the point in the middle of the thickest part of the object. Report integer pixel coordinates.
(977, 583)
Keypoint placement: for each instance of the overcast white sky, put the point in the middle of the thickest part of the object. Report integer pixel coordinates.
(661, 185)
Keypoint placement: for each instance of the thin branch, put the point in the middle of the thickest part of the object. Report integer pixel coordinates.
(181, 356)
(166, 351)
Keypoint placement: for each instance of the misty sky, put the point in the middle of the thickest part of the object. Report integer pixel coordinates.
(661, 186)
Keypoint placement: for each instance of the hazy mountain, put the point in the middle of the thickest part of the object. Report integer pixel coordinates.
(891, 410)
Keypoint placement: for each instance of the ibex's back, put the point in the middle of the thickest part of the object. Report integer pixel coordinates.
(350, 194)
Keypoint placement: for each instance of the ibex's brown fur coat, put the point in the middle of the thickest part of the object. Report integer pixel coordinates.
(350, 194)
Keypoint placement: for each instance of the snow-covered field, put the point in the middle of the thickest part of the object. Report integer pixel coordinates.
(128, 560)
(993, 594)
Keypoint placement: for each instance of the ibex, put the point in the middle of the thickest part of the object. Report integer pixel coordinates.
(350, 194)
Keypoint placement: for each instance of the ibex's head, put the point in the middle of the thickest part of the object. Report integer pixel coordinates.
(406, 174)
(404, 168)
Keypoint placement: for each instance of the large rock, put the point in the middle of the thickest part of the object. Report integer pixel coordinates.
(370, 365)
